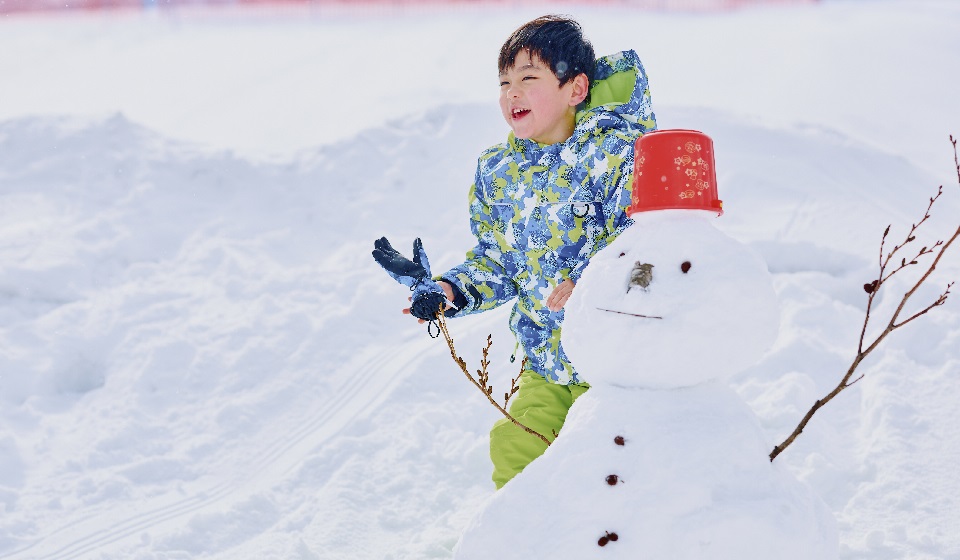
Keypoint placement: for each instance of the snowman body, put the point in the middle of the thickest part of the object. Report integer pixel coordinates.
(660, 459)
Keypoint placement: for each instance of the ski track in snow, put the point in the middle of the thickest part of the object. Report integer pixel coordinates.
(386, 369)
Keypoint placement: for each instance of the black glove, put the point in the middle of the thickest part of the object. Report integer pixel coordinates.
(428, 298)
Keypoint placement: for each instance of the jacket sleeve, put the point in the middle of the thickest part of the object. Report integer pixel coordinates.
(621, 94)
(481, 279)
(617, 189)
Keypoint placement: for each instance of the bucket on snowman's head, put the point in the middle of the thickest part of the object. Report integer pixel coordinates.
(674, 169)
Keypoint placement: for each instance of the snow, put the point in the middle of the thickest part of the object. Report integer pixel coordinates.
(199, 358)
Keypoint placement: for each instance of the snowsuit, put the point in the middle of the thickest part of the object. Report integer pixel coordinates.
(539, 212)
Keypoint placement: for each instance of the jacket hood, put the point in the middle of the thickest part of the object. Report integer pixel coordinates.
(619, 99)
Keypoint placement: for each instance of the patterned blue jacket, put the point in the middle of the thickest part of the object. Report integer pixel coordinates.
(539, 212)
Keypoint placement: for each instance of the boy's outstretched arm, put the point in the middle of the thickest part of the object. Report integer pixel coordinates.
(481, 282)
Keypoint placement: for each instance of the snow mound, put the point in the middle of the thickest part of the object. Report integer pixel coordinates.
(185, 332)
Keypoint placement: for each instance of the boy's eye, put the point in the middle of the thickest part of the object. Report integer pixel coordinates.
(529, 77)
(504, 84)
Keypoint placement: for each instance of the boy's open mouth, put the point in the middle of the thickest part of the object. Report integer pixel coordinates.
(520, 113)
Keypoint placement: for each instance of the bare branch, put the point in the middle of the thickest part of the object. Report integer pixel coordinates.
(872, 288)
(955, 162)
(855, 380)
(513, 383)
(939, 301)
(482, 379)
(910, 238)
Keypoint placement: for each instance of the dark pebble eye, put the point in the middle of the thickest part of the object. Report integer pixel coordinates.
(622, 254)
(685, 267)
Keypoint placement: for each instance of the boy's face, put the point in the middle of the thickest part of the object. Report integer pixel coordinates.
(535, 105)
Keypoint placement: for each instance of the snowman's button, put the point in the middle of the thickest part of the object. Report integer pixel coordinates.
(609, 537)
(613, 479)
(619, 440)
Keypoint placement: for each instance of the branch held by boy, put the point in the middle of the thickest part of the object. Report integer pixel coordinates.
(482, 381)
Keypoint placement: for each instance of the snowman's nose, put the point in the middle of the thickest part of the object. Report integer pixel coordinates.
(641, 276)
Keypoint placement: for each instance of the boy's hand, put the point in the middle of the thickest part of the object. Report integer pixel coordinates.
(447, 291)
(559, 296)
(400, 268)
(428, 297)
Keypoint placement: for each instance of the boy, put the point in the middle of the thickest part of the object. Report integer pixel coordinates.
(541, 205)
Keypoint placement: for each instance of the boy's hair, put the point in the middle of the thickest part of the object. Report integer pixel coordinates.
(557, 41)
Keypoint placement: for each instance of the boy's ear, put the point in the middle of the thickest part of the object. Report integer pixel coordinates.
(581, 87)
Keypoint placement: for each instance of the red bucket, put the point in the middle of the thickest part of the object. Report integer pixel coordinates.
(674, 169)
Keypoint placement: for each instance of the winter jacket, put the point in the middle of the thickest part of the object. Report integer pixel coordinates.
(539, 212)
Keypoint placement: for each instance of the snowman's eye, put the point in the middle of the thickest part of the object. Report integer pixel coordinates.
(621, 254)
(685, 267)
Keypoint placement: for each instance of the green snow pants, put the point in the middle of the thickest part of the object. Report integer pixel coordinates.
(539, 405)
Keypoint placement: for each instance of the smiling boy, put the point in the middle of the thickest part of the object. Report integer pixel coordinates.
(533, 103)
(541, 205)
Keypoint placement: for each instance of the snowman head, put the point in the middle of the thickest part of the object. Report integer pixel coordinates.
(672, 302)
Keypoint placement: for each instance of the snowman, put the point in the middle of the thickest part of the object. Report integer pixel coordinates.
(661, 459)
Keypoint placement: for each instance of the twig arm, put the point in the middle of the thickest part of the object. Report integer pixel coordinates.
(872, 288)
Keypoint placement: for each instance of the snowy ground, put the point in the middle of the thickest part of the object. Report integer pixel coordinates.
(199, 358)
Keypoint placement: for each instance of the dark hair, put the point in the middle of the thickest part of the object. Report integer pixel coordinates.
(557, 41)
